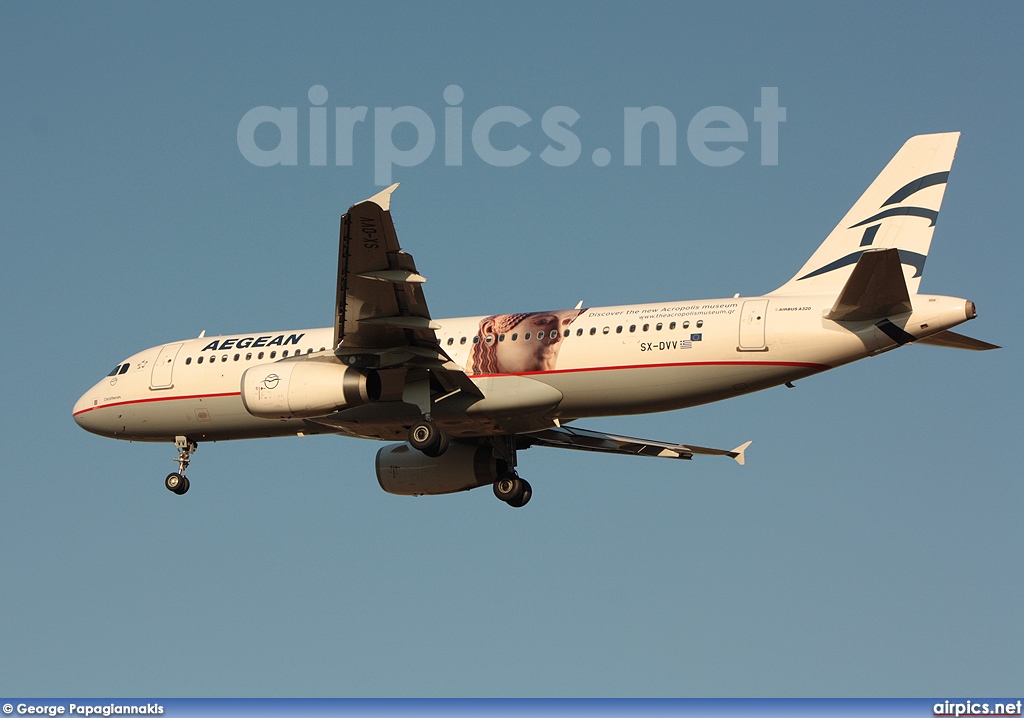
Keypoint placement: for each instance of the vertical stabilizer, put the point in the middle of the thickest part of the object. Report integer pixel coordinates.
(898, 211)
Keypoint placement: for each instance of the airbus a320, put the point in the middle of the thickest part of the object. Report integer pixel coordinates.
(460, 398)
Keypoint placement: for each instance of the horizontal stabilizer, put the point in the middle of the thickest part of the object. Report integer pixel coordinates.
(957, 341)
(876, 289)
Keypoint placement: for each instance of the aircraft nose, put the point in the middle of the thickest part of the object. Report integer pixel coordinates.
(84, 415)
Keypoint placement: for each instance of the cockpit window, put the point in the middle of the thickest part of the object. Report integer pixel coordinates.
(124, 368)
(119, 369)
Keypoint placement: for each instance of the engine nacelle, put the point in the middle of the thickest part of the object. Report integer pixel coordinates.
(403, 470)
(305, 388)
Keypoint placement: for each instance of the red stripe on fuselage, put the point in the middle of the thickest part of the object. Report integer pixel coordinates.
(158, 398)
(794, 364)
(798, 364)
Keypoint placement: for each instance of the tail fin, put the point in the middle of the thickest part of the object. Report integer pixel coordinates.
(898, 210)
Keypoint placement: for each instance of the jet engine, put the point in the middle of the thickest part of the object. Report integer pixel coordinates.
(297, 389)
(403, 470)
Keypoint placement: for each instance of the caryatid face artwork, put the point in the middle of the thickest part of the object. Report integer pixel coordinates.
(517, 343)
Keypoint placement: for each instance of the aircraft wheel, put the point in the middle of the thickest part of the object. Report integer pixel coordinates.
(425, 436)
(176, 483)
(441, 447)
(509, 488)
(524, 498)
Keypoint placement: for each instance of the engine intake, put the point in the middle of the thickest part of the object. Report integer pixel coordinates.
(403, 470)
(306, 388)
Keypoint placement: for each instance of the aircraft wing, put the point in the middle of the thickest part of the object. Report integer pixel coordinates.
(564, 437)
(381, 316)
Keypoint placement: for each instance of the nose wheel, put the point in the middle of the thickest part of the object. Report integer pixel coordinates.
(514, 491)
(177, 482)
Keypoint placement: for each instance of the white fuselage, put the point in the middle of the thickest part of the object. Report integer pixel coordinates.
(610, 360)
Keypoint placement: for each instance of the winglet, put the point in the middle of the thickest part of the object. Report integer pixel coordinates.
(738, 453)
(383, 198)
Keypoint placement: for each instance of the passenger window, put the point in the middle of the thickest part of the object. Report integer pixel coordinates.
(476, 339)
(188, 361)
(686, 325)
(658, 326)
(553, 334)
(593, 331)
(237, 356)
(489, 338)
(213, 359)
(284, 354)
(618, 329)
(579, 332)
(273, 354)
(224, 358)
(199, 360)
(566, 332)
(672, 326)
(646, 327)
(606, 330)
(451, 340)
(526, 336)
(515, 335)
(248, 356)
(260, 355)
(632, 328)
(700, 323)
(501, 337)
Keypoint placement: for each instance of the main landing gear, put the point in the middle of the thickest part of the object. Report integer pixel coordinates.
(514, 491)
(176, 482)
(510, 488)
(428, 437)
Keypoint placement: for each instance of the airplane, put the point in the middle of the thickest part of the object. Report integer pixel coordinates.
(462, 397)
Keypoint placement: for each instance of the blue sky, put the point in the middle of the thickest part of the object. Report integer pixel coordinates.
(870, 547)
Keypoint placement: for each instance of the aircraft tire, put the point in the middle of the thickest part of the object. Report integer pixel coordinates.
(441, 447)
(524, 498)
(509, 488)
(427, 437)
(176, 483)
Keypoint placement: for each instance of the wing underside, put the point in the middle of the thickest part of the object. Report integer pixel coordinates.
(381, 316)
(564, 437)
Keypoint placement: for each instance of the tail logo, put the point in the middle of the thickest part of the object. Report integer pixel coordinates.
(872, 223)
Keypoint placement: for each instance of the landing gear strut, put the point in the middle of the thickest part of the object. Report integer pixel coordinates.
(176, 482)
(426, 436)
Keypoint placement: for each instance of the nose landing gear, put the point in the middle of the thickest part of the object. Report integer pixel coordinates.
(176, 482)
